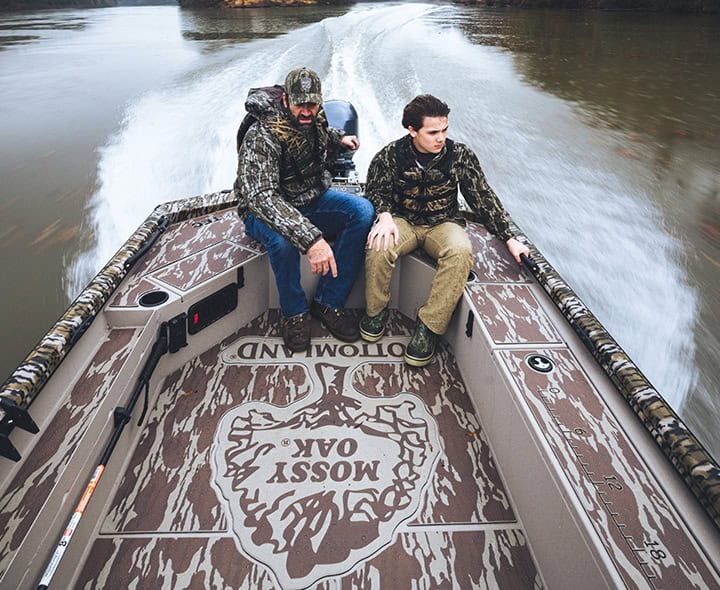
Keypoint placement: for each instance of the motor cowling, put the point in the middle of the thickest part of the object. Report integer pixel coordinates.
(342, 115)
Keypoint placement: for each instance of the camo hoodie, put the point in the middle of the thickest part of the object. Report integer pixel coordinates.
(428, 195)
(282, 167)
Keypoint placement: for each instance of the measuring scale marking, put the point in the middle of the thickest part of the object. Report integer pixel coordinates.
(639, 527)
(611, 482)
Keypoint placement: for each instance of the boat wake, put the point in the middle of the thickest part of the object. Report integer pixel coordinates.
(572, 194)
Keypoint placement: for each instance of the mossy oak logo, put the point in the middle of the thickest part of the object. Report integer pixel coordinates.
(315, 487)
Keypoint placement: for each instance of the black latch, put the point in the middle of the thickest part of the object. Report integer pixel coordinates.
(469, 324)
(177, 332)
(15, 417)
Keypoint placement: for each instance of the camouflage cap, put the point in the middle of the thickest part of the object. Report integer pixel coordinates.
(303, 85)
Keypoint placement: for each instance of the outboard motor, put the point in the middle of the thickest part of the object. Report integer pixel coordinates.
(341, 115)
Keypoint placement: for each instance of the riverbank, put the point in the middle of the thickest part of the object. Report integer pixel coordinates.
(670, 6)
(674, 6)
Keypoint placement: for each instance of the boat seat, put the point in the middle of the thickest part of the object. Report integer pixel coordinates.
(417, 260)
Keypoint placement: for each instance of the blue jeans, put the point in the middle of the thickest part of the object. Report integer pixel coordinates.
(342, 217)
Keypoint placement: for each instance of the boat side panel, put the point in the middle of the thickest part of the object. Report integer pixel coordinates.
(25, 510)
(564, 553)
(640, 528)
(63, 454)
(609, 501)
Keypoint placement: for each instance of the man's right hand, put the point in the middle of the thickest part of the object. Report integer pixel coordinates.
(322, 258)
(381, 234)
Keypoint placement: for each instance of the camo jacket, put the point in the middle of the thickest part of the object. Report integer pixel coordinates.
(386, 187)
(282, 167)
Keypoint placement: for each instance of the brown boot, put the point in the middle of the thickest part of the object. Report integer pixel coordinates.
(296, 332)
(341, 323)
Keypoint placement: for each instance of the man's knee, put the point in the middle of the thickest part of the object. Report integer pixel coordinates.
(278, 246)
(463, 252)
(364, 211)
(459, 255)
(375, 259)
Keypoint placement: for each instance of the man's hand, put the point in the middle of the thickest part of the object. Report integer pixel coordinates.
(322, 258)
(351, 142)
(516, 248)
(383, 232)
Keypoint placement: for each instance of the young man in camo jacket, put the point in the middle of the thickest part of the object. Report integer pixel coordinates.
(413, 183)
(283, 188)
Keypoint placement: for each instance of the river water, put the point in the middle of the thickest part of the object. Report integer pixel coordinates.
(599, 131)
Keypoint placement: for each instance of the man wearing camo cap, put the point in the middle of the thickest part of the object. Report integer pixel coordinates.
(284, 194)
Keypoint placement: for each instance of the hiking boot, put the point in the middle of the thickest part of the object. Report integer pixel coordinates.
(421, 348)
(372, 328)
(296, 332)
(341, 323)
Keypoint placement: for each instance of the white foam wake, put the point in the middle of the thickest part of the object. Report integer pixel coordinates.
(560, 179)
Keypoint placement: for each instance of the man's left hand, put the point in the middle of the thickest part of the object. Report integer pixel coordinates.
(322, 258)
(516, 248)
(351, 142)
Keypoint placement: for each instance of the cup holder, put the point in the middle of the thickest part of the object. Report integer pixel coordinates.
(154, 298)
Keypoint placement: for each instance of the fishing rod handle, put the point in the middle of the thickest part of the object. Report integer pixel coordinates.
(529, 262)
(70, 529)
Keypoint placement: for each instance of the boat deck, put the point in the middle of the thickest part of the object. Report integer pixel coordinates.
(256, 465)
(509, 462)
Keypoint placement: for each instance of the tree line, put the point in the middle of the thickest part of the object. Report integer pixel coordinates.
(677, 6)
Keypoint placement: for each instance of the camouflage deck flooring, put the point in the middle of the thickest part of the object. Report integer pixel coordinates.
(339, 467)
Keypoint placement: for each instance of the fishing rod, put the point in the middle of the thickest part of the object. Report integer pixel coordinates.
(121, 417)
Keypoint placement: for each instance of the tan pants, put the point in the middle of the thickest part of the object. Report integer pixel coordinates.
(448, 244)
